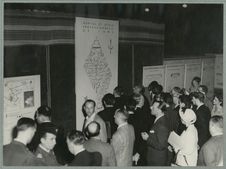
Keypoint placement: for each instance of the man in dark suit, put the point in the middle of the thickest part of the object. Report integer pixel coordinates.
(75, 142)
(157, 137)
(94, 144)
(203, 117)
(107, 114)
(120, 97)
(16, 153)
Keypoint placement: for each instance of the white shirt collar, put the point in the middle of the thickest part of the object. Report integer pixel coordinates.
(199, 106)
(158, 118)
(44, 148)
(83, 149)
(91, 117)
(123, 124)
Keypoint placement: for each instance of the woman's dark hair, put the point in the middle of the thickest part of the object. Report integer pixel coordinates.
(186, 100)
(152, 85)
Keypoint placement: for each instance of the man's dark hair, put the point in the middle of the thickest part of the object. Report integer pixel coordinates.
(152, 85)
(218, 121)
(77, 137)
(197, 79)
(204, 88)
(24, 123)
(130, 104)
(186, 100)
(167, 98)
(89, 132)
(47, 127)
(119, 90)
(108, 99)
(44, 110)
(198, 95)
(90, 101)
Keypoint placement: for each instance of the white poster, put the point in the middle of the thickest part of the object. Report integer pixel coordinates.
(191, 71)
(174, 76)
(96, 57)
(219, 72)
(21, 99)
(153, 73)
(208, 75)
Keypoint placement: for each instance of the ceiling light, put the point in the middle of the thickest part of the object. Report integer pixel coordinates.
(146, 9)
(184, 5)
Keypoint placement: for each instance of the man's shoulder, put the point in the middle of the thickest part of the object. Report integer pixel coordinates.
(98, 118)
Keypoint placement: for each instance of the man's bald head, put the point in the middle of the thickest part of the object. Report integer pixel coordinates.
(93, 129)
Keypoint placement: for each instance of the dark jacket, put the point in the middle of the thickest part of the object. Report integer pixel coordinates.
(108, 116)
(157, 143)
(202, 124)
(86, 158)
(17, 154)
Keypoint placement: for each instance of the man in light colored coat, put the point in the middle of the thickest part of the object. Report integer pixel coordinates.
(89, 111)
(123, 139)
(94, 144)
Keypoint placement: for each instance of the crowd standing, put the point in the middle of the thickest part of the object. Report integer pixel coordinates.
(131, 130)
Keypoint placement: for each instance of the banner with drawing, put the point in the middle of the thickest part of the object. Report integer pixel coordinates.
(174, 76)
(21, 99)
(96, 58)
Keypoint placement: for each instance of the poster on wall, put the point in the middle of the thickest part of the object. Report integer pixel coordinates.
(218, 72)
(208, 75)
(21, 99)
(191, 71)
(174, 76)
(153, 73)
(96, 61)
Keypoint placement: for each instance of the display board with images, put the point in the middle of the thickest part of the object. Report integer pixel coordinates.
(21, 99)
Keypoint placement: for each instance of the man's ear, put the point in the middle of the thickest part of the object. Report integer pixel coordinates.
(42, 140)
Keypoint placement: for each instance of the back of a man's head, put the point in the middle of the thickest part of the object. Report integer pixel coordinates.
(108, 100)
(124, 114)
(198, 95)
(93, 129)
(24, 123)
(216, 125)
(76, 137)
(44, 111)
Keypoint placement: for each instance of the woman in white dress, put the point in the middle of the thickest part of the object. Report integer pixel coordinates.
(188, 153)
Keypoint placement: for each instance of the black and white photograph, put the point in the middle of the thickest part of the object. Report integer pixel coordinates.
(113, 84)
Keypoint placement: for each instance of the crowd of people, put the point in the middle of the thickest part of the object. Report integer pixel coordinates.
(131, 130)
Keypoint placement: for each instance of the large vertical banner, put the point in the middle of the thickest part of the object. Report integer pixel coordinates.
(21, 99)
(174, 76)
(96, 57)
